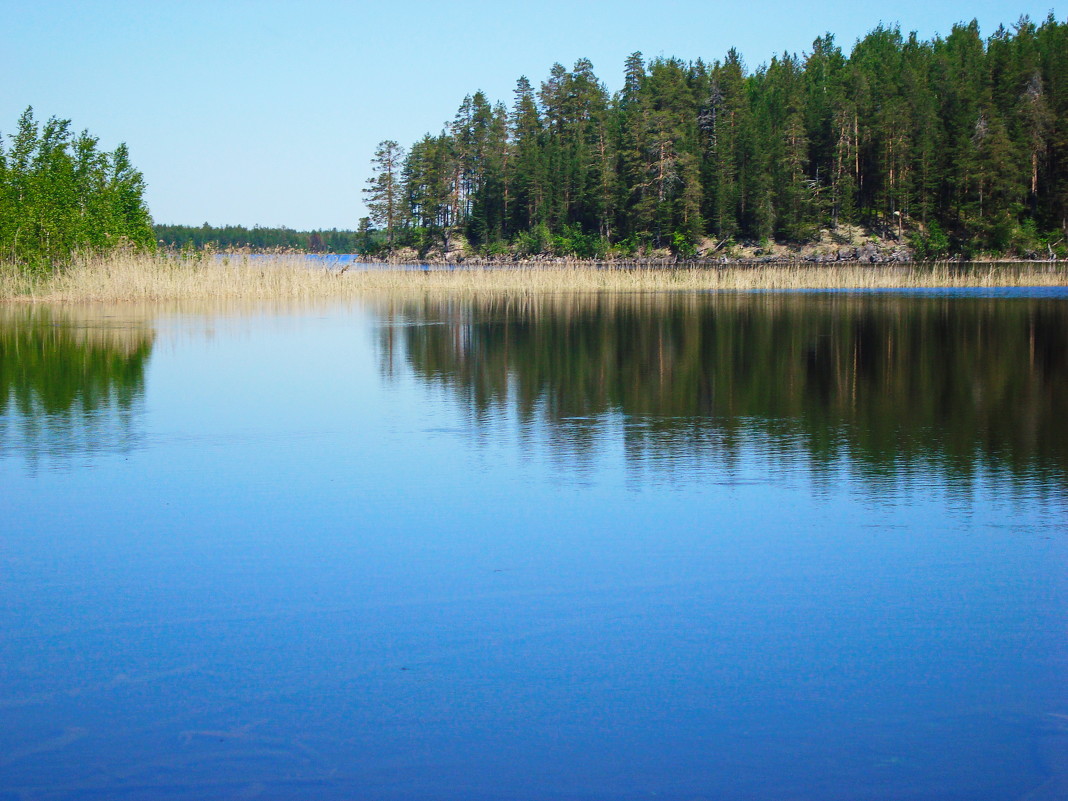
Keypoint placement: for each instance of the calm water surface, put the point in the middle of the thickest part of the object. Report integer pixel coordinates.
(676, 547)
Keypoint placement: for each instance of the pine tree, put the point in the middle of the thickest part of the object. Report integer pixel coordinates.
(383, 195)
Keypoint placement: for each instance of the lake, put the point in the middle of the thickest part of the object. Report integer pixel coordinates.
(764, 546)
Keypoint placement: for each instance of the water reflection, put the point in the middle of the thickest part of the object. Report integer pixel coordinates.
(71, 381)
(310, 582)
(899, 386)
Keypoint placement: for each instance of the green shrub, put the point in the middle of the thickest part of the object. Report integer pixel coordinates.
(931, 244)
(683, 245)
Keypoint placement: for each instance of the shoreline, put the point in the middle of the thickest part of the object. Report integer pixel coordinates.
(844, 244)
(161, 277)
(568, 262)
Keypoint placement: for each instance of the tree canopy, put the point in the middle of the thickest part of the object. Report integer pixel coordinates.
(961, 142)
(60, 195)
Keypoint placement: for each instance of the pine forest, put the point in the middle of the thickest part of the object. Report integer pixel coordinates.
(956, 145)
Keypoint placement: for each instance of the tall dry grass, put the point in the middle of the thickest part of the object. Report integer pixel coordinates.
(130, 278)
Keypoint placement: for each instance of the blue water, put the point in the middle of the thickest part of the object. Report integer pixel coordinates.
(343, 552)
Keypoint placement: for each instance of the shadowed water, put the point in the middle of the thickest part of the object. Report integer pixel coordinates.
(759, 546)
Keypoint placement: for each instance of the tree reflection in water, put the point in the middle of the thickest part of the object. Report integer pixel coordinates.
(897, 385)
(71, 382)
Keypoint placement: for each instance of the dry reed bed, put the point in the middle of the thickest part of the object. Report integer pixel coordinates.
(127, 278)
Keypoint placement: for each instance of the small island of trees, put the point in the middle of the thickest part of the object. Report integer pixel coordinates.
(957, 144)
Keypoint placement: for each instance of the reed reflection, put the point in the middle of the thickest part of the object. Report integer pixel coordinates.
(71, 381)
(897, 385)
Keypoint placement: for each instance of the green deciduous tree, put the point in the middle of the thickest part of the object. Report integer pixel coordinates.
(61, 196)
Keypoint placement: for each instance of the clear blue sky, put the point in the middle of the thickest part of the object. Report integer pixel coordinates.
(268, 112)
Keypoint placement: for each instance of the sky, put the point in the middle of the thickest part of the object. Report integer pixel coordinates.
(268, 113)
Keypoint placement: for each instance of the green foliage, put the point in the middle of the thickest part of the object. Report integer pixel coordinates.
(932, 244)
(683, 245)
(383, 193)
(626, 248)
(960, 135)
(179, 237)
(496, 249)
(1026, 240)
(572, 241)
(60, 196)
(533, 242)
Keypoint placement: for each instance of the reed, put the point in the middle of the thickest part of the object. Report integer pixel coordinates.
(153, 278)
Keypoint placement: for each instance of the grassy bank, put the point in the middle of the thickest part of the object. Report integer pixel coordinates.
(128, 278)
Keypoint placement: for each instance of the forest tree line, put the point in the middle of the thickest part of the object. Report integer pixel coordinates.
(960, 143)
(257, 238)
(60, 195)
